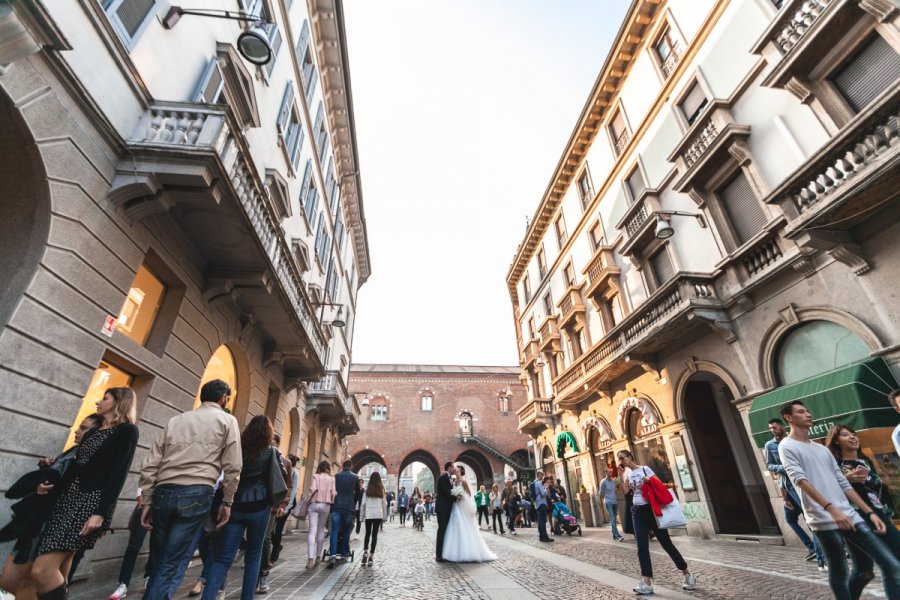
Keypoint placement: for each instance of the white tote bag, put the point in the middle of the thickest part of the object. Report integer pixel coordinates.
(672, 515)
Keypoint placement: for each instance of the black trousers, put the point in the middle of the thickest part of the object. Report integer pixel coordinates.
(497, 515)
(372, 527)
(443, 519)
(483, 512)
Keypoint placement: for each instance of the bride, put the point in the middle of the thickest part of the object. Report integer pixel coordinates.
(463, 542)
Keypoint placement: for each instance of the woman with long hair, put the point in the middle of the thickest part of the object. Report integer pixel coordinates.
(373, 511)
(321, 497)
(463, 541)
(859, 470)
(87, 493)
(249, 513)
(635, 476)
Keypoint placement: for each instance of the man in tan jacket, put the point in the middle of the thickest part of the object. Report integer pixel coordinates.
(178, 477)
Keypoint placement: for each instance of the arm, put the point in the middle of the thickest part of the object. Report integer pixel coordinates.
(795, 473)
(855, 498)
(126, 438)
(150, 467)
(231, 460)
(773, 464)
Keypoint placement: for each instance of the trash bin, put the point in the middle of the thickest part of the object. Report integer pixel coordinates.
(584, 499)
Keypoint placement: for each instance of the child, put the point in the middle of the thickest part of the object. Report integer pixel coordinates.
(419, 511)
(372, 510)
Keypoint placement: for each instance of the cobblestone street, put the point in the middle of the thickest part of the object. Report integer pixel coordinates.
(572, 568)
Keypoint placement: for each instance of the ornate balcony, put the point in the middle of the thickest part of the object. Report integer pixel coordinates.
(329, 397)
(530, 352)
(571, 306)
(710, 140)
(535, 416)
(601, 271)
(671, 314)
(188, 161)
(549, 335)
(638, 222)
(350, 424)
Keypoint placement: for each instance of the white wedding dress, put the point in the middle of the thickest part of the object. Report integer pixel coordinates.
(462, 540)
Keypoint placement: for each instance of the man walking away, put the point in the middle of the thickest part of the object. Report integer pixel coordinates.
(177, 481)
(540, 495)
(608, 493)
(825, 495)
(345, 484)
(510, 504)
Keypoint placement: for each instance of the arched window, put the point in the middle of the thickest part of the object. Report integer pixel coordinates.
(378, 408)
(427, 400)
(503, 397)
(221, 366)
(465, 423)
(816, 347)
(106, 376)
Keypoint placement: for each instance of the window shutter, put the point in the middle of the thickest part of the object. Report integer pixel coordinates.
(323, 149)
(275, 42)
(320, 233)
(871, 71)
(304, 193)
(303, 42)
(617, 125)
(210, 86)
(746, 215)
(662, 267)
(296, 143)
(693, 103)
(284, 114)
(339, 233)
(320, 114)
(131, 14)
(311, 82)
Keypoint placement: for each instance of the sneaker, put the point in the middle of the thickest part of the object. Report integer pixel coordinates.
(371, 559)
(146, 581)
(311, 563)
(120, 592)
(263, 586)
(220, 595)
(331, 561)
(365, 558)
(690, 582)
(513, 532)
(196, 590)
(621, 538)
(823, 568)
(642, 589)
(811, 556)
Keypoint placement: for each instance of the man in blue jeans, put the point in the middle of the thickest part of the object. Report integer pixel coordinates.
(826, 495)
(540, 496)
(345, 484)
(608, 493)
(177, 480)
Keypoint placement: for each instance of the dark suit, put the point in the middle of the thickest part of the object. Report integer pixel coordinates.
(442, 508)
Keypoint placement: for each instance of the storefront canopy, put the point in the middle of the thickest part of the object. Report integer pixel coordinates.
(855, 395)
(562, 440)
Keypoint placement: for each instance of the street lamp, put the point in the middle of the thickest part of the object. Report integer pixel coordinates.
(252, 44)
(664, 230)
(337, 321)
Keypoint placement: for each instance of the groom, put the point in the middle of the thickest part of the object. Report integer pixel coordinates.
(443, 506)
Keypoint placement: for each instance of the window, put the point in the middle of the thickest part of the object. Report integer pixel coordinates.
(816, 347)
(618, 132)
(221, 365)
(141, 306)
(130, 18)
(212, 84)
(526, 288)
(330, 185)
(274, 38)
(596, 235)
(744, 212)
(585, 192)
(322, 240)
(569, 274)
(548, 304)
(309, 199)
(289, 127)
(693, 103)
(665, 48)
(331, 280)
(503, 397)
(106, 376)
(427, 401)
(560, 226)
(542, 264)
(531, 329)
(873, 69)
(661, 265)
(310, 80)
(635, 184)
(339, 233)
(575, 343)
(379, 412)
(614, 309)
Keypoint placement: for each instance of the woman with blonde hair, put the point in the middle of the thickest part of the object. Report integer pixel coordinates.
(321, 497)
(87, 492)
(373, 511)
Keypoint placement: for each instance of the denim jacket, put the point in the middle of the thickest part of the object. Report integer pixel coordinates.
(773, 464)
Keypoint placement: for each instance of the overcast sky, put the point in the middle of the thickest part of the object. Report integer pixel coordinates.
(463, 108)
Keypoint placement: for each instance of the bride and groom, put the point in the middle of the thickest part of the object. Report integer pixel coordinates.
(458, 538)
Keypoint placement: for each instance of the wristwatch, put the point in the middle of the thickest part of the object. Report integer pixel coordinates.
(227, 503)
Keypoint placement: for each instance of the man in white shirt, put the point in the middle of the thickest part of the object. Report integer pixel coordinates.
(894, 397)
(826, 496)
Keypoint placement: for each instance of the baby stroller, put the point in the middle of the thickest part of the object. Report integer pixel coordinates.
(563, 520)
(522, 519)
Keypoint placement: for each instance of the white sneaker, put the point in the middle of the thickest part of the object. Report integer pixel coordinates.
(220, 595)
(642, 589)
(120, 592)
(690, 582)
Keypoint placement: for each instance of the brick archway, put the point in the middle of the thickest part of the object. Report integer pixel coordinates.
(364, 457)
(481, 466)
(423, 456)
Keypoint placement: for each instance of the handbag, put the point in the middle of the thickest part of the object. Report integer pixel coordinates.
(301, 509)
(276, 486)
(672, 515)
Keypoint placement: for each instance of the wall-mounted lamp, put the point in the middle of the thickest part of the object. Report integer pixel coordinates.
(252, 44)
(664, 230)
(337, 321)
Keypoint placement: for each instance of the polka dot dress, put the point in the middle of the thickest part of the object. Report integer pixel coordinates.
(74, 507)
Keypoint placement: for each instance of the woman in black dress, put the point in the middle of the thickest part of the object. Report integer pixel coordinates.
(87, 493)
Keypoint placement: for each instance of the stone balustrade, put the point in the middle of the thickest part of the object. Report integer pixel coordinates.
(797, 19)
(761, 256)
(700, 142)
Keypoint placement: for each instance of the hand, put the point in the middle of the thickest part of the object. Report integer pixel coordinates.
(279, 512)
(877, 524)
(46, 461)
(841, 520)
(224, 516)
(44, 488)
(857, 475)
(94, 523)
(789, 505)
(146, 518)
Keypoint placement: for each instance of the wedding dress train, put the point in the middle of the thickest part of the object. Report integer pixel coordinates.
(463, 541)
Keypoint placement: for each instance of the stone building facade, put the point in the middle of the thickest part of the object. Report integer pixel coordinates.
(435, 413)
(175, 213)
(720, 234)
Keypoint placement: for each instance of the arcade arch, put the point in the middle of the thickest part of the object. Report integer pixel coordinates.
(481, 467)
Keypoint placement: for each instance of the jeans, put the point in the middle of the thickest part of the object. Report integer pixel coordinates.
(265, 564)
(227, 546)
(341, 526)
(644, 523)
(497, 519)
(428, 511)
(402, 511)
(792, 516)
(317, 516)
(178, 512)
(613, 509)
(865, 547)
(542, 522)
(372, 527)
(136, 536)
(202, 543)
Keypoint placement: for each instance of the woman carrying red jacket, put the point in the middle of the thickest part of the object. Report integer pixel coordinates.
(649, 496)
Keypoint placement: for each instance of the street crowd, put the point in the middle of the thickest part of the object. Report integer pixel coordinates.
(207, 487)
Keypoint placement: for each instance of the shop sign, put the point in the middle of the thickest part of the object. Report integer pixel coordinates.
(109, 326)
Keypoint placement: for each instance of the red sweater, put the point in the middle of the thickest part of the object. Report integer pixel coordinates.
(656, 494)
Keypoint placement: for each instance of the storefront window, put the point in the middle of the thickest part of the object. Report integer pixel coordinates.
(817, 347)
(141, 306)
(221, 366)
(106, 376)
(648, 447)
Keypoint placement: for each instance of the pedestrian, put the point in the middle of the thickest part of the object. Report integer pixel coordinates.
(644, 517)
(250, 511)
(496, 508)
(509, 502)
(321, 496)
(87, 493)
(136, 536)
(278, 533)
(541, 495)
(357, 507)
(825, 495)
(429, 505)
(373, 509)
(402, 505)
(859, 470)
(482, 505)
(265, 564)
(345, 485)
(894, 398)
(792, 509)
(608, 489)
(181, 470)
(389, 497)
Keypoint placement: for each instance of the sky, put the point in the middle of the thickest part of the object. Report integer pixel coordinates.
(463, 109)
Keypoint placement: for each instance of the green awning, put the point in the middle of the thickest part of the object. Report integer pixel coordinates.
(855, 395)
(562, 440)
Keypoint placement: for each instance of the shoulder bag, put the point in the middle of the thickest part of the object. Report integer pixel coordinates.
(276, 486)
